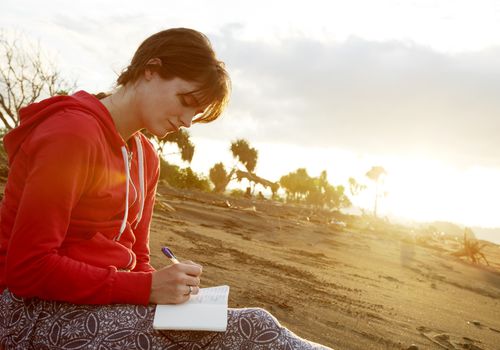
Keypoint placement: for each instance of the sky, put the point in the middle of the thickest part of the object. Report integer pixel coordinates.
(337, 85)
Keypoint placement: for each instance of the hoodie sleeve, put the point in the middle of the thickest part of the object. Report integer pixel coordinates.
(141, 232)
(60, 164)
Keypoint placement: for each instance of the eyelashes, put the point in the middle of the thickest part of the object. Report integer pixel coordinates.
(183, 101)
(188, 101)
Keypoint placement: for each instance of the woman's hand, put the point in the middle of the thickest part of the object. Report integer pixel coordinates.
(170, 285)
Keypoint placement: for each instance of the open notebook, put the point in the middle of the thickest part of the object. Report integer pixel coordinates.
(206, 311)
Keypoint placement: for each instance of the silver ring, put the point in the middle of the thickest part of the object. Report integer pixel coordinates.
(190, 290)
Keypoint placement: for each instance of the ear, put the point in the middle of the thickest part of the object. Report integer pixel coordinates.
(148, 73)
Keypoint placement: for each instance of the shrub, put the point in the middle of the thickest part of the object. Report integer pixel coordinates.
(182, 177)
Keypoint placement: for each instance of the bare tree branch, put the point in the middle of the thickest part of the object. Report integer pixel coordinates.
(25, 76)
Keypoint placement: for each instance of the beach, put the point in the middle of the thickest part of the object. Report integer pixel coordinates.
(354, 287)
(360, 286)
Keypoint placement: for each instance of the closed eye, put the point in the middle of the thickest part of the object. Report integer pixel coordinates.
(188, 100)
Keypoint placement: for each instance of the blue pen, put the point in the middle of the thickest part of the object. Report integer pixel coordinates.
(168, 253)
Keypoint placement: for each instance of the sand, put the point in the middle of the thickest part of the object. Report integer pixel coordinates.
(359, 287)
(364, 287)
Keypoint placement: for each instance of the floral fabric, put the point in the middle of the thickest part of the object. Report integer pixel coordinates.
(38, 324)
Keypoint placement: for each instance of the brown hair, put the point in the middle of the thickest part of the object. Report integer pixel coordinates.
(186, 54)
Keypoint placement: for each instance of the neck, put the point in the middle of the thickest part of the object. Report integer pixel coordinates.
(121, 108)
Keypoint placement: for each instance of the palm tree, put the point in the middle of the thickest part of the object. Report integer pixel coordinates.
(376, 174)
(245, 154)
(355, 187)
(180, 138)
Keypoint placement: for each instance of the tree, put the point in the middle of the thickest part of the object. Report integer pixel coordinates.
(355, 187)
(220, 177)
(182, 177)
(297, 184)
(181, 138)
(317, 188)
(25, 76)
(334, 197)
(316, 191)
(248, 156)
(323, 194)
(245, 154)
(376, 174)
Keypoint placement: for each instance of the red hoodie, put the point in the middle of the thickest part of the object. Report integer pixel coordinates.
(65, 231)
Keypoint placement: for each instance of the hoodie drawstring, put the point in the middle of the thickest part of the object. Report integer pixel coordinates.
(140, 156)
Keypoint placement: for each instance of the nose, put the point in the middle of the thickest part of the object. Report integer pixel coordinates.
(187, 119)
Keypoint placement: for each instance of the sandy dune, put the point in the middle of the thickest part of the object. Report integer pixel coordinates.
(350, 289)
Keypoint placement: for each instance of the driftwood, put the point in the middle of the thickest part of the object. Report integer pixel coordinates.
(161, 204)
(259, 180)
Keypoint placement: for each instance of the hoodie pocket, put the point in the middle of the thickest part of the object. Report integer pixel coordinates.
(85, 229)
(100, 251)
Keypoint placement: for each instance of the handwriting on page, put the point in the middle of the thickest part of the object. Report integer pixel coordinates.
(213, 295)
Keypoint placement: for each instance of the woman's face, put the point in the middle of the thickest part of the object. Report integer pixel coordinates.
(163, 106)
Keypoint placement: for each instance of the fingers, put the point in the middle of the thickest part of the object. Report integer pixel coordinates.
(183, 278)
(192, 286)
(189, 269)
(189, 262)
(184, 293)
(193, 290)
(192, 281)
(171, 285)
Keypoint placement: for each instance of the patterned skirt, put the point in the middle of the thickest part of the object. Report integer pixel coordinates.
(37, 324)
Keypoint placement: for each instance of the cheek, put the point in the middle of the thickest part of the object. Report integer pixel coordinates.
(154, 108)
(146, 103)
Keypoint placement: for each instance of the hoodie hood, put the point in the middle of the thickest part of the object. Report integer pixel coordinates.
(34, 114)
(66, 195)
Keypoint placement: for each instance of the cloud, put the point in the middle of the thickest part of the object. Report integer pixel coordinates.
(387, 97)
(393, 97)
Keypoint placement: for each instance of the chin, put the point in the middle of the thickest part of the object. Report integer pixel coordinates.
(160, 133)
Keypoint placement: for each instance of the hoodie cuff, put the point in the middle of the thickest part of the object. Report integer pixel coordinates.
(131, 288)
(144, 268)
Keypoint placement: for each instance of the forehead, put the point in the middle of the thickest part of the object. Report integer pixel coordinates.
(183, 86)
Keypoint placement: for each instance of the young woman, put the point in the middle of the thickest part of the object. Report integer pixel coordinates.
(75, 217)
